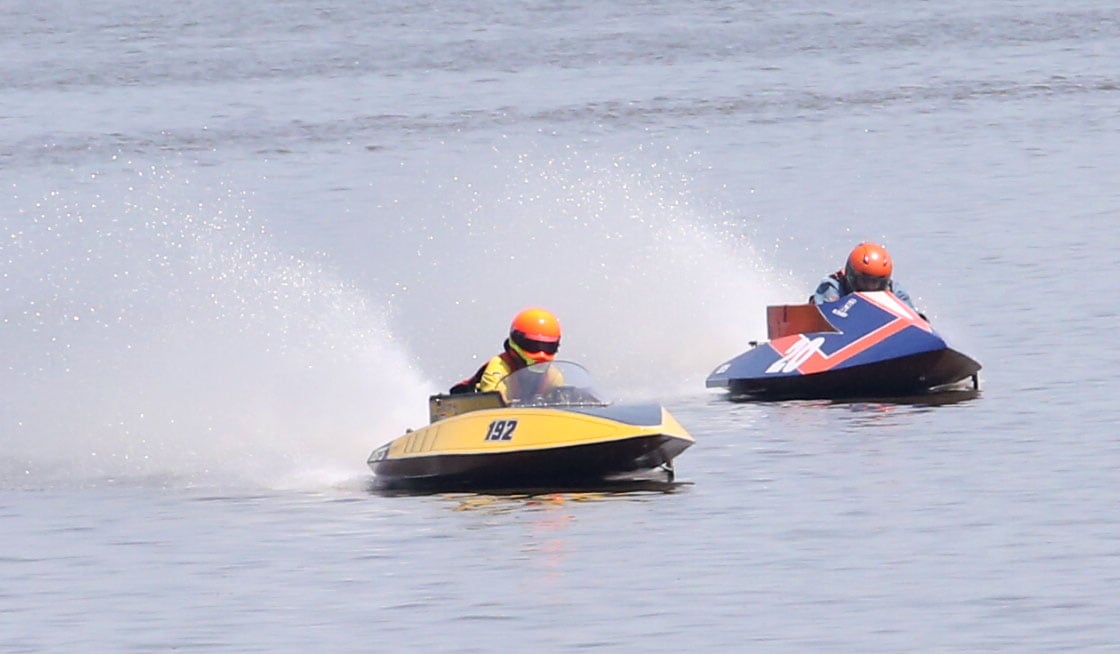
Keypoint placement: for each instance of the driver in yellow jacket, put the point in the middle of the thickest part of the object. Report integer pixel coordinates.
(534, 337)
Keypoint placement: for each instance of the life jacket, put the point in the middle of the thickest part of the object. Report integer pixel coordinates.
(468, 385)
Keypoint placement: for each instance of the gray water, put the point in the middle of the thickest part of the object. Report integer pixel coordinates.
(241, 242)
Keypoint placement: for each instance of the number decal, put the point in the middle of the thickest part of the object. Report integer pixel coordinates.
(796, 355)
(501, 430)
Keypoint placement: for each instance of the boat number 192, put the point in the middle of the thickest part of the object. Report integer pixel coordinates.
(501, 430)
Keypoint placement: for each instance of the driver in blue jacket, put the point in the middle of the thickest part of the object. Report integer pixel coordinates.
(868, 268)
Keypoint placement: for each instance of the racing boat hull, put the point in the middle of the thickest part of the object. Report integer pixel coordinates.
(863, 345)
(908, 375)
(528, 446)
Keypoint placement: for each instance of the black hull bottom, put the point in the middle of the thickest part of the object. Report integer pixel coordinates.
(652, 481)
(564, 467)
(905, 376)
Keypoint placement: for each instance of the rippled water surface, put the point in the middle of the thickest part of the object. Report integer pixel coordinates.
(240, 243)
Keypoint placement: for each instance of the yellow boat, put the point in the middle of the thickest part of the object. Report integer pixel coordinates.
(563, 437)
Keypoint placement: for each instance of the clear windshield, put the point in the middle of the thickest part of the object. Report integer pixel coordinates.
(555, 383)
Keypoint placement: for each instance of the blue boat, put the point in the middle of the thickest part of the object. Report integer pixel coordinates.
(862, 345)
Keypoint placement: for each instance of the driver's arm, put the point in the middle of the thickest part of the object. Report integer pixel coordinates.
(493, 377)
(555, 378)
(828, 290)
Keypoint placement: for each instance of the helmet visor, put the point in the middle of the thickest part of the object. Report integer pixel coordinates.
(862, 282)
(533, 346)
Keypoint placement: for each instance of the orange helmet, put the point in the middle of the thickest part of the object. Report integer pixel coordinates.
(869, 268)
(535, 335)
